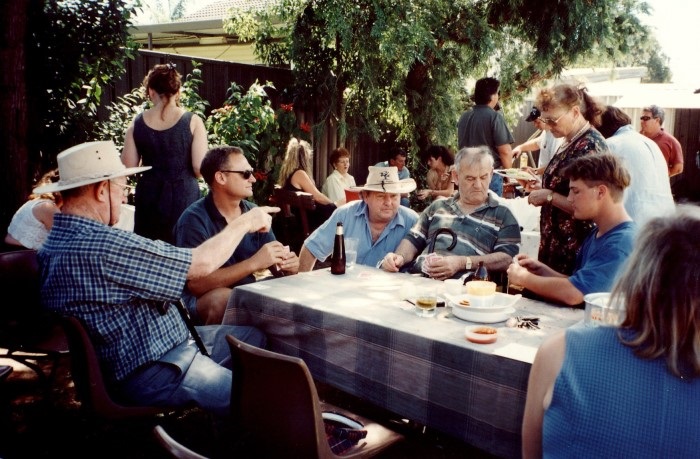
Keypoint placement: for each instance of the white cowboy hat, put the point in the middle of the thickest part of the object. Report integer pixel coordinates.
(386, 180)
(87, 163)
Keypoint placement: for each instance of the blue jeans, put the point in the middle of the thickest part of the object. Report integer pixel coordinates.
(496, 184)
(184, 376)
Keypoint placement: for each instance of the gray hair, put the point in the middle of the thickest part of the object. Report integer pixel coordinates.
(656, 112)
(469, 156)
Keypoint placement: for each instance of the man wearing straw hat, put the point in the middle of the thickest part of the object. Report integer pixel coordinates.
(378, 220)
(123, 286)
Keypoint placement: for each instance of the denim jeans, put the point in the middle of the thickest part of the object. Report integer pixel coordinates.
(496, 184)
(184, 376)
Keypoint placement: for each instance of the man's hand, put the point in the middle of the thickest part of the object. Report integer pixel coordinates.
(290, 262)
(443, 267)
(270, 254)
(392, 262)
(258, 219)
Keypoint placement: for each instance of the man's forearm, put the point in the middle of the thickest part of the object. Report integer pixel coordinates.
(306, 260)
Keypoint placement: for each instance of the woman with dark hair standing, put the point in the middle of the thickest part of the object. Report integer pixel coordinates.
(632, 390)
(572, 114)
(171, 140)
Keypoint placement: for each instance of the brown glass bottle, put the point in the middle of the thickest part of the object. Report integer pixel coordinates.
(338, 257)
(481, 272)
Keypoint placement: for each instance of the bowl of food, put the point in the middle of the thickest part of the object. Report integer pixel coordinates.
(482, 293)
(481, 334)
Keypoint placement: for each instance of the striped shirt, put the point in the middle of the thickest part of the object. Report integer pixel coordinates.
(488, 229)
(114, 281)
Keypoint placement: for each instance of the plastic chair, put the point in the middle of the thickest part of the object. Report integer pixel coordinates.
(89, 382)
(28, 332)
(174, 448)
(351, 195)
(275, 402)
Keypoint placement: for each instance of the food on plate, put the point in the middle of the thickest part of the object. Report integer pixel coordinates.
(464, 302)
(517, 174)
(481, 335)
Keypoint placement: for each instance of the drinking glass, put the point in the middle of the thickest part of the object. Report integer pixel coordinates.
(351, 244)
(426, 301)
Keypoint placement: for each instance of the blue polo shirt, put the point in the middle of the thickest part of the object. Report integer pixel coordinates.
(355, 219)
(202, 220)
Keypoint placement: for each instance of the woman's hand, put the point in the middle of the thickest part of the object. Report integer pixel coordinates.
(424, 194)
(539, 197)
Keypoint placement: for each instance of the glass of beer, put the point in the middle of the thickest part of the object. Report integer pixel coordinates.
(426, 301)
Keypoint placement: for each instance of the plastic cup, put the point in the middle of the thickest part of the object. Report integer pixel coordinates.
(453, 286)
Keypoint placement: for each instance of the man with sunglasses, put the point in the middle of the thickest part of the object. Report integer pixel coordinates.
(651, 120)
(230, 178)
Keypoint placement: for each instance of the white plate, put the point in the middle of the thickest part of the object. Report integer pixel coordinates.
(482, 317)
(501, 302)
(516, 174)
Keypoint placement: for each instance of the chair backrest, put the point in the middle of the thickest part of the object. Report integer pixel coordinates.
(295, 203)
(25, 321)
(89, 381)
(351, 195)
(274, 398)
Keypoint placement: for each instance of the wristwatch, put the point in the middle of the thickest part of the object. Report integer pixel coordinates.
(469, 263)
(550, 197)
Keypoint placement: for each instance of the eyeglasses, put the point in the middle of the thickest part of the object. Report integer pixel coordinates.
(126, 189)
(246, 174)
(645, 118)
(550, 121)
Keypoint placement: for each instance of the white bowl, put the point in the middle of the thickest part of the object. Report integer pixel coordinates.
(483, 317)
(599, 311)
(500, 302)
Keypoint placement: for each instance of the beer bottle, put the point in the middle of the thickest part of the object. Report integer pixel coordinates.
(338, 257)
(481, 272)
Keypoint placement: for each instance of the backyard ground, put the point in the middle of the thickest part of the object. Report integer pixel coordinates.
(36, 424)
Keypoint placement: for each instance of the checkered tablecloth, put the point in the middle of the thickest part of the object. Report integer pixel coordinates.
(357, 332)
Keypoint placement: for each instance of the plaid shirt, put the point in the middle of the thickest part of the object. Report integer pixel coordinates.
(488, 229)
(114, 281)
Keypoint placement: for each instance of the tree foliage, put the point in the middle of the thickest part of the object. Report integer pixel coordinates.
(373, 65)
(77, 48)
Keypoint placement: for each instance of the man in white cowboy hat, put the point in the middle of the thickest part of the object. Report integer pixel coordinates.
(378, 220)
(122, 286)
(463, 230)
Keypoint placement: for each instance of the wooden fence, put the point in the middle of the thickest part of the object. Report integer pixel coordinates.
(217, 77)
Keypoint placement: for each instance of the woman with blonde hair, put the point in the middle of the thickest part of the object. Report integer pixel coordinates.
(173, 141)
(631, 390)
(572, 114)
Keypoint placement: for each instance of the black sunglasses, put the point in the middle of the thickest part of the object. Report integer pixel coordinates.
(645, 118)
(246, 174)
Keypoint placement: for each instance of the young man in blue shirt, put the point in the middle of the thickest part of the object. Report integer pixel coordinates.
(596, 189)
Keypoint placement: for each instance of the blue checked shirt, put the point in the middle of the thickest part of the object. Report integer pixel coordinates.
(114, 281)
(488, 229)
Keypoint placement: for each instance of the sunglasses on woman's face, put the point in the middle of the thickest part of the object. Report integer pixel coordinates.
(246, 174)
(645, 118)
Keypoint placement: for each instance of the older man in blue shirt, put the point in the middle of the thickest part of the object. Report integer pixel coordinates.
(378, 221)
(121, 286)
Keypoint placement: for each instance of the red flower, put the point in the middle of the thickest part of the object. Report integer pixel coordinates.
(305, 126)
(287, 107)
(260, 175)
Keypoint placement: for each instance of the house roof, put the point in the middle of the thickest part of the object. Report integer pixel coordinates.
(219, 9)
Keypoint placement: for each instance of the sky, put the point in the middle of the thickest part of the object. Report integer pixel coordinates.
(676, 24)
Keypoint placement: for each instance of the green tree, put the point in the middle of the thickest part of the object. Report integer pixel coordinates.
(61, 54)
(366, 65)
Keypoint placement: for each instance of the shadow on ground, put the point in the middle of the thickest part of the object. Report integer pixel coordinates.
(39, 423)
